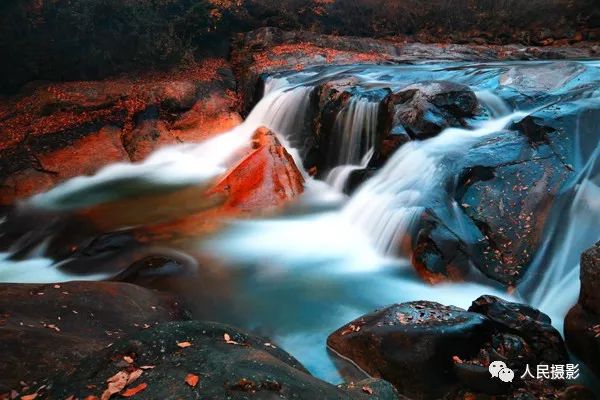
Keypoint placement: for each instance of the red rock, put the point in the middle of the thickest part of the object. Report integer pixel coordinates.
(265, 178)
(73, 128)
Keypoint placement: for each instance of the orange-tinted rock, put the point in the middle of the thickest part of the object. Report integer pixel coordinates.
(84, 156)
(56, 131)
(265, 178)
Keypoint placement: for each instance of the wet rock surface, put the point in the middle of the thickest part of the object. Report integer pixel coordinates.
(507, 187)
(431, 351)
(426, 108)
(204, 360)
(412, 344)
(582, 323)
(533, 326)
(46, 329)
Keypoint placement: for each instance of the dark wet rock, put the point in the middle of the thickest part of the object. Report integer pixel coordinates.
(506, 191)
(582, 323)
(426, 108)
(47, 329)
(528, 323)
(430, 351)
(590, 279)
(412, 345)
(532, 390)
(375, 388)
(228, 362)
(332, 103)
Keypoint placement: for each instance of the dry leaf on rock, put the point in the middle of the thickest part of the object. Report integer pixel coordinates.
(192, 380)
(134, 390)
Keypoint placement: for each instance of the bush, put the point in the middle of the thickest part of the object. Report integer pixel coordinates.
(87, 39)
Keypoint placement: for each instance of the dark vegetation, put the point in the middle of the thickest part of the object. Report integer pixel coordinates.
(89, 39)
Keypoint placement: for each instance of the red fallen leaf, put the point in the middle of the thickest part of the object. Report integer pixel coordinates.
(90, 397)
(192, 380)
(116, 383)
(134, 390)
(367, 390)
(183, 345)
(228, 340)
(29, 396)
(134, 375)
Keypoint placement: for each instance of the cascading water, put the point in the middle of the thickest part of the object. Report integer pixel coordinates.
(299, 276)
(387, 205)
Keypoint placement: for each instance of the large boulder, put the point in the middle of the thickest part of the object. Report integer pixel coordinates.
(528, 323)
(431, 351)
(506, 188)
(53, 132)
(412, 345)
(582, 323)
(203, 360)
(426, 108)
(48, 329)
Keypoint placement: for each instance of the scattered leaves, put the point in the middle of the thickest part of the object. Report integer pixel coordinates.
(192, 380)
(116, 383)
(134, 390)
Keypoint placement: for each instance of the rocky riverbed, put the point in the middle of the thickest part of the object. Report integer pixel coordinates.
(291, 192)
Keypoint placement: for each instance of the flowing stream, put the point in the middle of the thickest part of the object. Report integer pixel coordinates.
(329, 257)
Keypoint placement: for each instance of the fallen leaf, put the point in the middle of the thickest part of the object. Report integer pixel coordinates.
(29, 396)
(128, 359)
(116, 383)
(134, 375)
(71, 397)
(183, 345)
(134, 390)
(148, 366)
(90, 397)
(192, 380)
(367, 390)
(228, 340)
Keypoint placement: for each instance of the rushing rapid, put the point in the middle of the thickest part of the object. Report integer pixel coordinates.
(332, 256)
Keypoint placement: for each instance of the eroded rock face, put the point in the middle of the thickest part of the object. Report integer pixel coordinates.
(228, 363)
(582, 323)
(528, 323)
(53, 132)
(431, 351)
(427, 108)
(47, 329)
(506, 189)
(412, 344)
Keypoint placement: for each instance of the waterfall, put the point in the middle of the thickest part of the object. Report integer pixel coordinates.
(355, 131)
(183, 164)
(387, 205)
(493, 103)
(338, 176)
